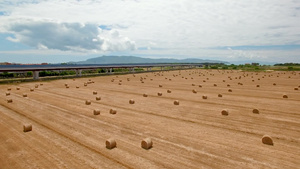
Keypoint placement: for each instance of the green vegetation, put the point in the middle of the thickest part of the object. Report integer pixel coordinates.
(256, 67)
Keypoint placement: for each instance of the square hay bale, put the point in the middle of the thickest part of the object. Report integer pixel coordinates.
(27, 127)
(110, 143)
(96, 112)
(113, 111)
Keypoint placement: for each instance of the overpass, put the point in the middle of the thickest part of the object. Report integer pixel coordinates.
(78, 68)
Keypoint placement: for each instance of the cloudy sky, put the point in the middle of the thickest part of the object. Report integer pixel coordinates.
(55, 31)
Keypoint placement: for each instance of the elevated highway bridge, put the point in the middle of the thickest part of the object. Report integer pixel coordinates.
(78, 68)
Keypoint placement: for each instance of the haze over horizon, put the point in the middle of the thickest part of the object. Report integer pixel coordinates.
(36, 31)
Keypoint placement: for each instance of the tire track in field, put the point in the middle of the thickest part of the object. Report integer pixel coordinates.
(167, 117)
(131, 131)
(63, 135)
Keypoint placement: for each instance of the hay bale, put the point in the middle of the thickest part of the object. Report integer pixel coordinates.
(9, 100)
(176, 102)
(267, 140)
(120, 80)
(145, 95)
(194, 91)
(9, 89)
(66, 84)
(204, 97)
(36, 86)
(159, 93)
(220, 95)
(120, 83)
(204, 81)
(18, 88)
(27, 127)
(98, 98)
(112, 80)
(224, 112)
(24, 95)
(200, 85)
(257, 85)
(7, 93)
(215, 84)
(160, 85)
(110, 143)
(228, 85)
(88, 102)
(296, 88)
(77, 87)
(229, 90)
(41, 84)
(31, 89)
(113, 111)
(96, 112)
(193, 84)
(255, 111)
(131, 101)
(169, 91)
(84, 84)
(146, 143)
(285, 96)
(94, 92)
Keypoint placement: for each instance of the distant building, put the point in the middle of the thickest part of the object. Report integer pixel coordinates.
(254, 64)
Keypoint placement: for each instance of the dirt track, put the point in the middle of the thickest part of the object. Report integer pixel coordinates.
(192, 134)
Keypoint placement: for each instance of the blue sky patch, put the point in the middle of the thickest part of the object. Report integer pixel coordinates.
(105, 27)
(6, 45)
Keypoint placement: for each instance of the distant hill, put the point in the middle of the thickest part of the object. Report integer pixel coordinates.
(134, 60)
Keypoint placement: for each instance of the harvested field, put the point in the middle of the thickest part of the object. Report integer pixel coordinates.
(67, 134)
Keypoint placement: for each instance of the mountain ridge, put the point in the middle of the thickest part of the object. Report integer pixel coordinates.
(134, 59)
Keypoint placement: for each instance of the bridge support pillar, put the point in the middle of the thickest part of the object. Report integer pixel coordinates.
(36, 75)
(132, 69)
(78, 72)
(110, 70)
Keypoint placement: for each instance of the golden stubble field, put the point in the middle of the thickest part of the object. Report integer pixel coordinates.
(191, 134)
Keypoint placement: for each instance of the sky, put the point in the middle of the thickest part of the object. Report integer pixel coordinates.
(56, 31)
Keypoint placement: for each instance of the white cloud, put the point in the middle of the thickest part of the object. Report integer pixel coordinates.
(245, 54)
(67, 36)
(181, 27)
